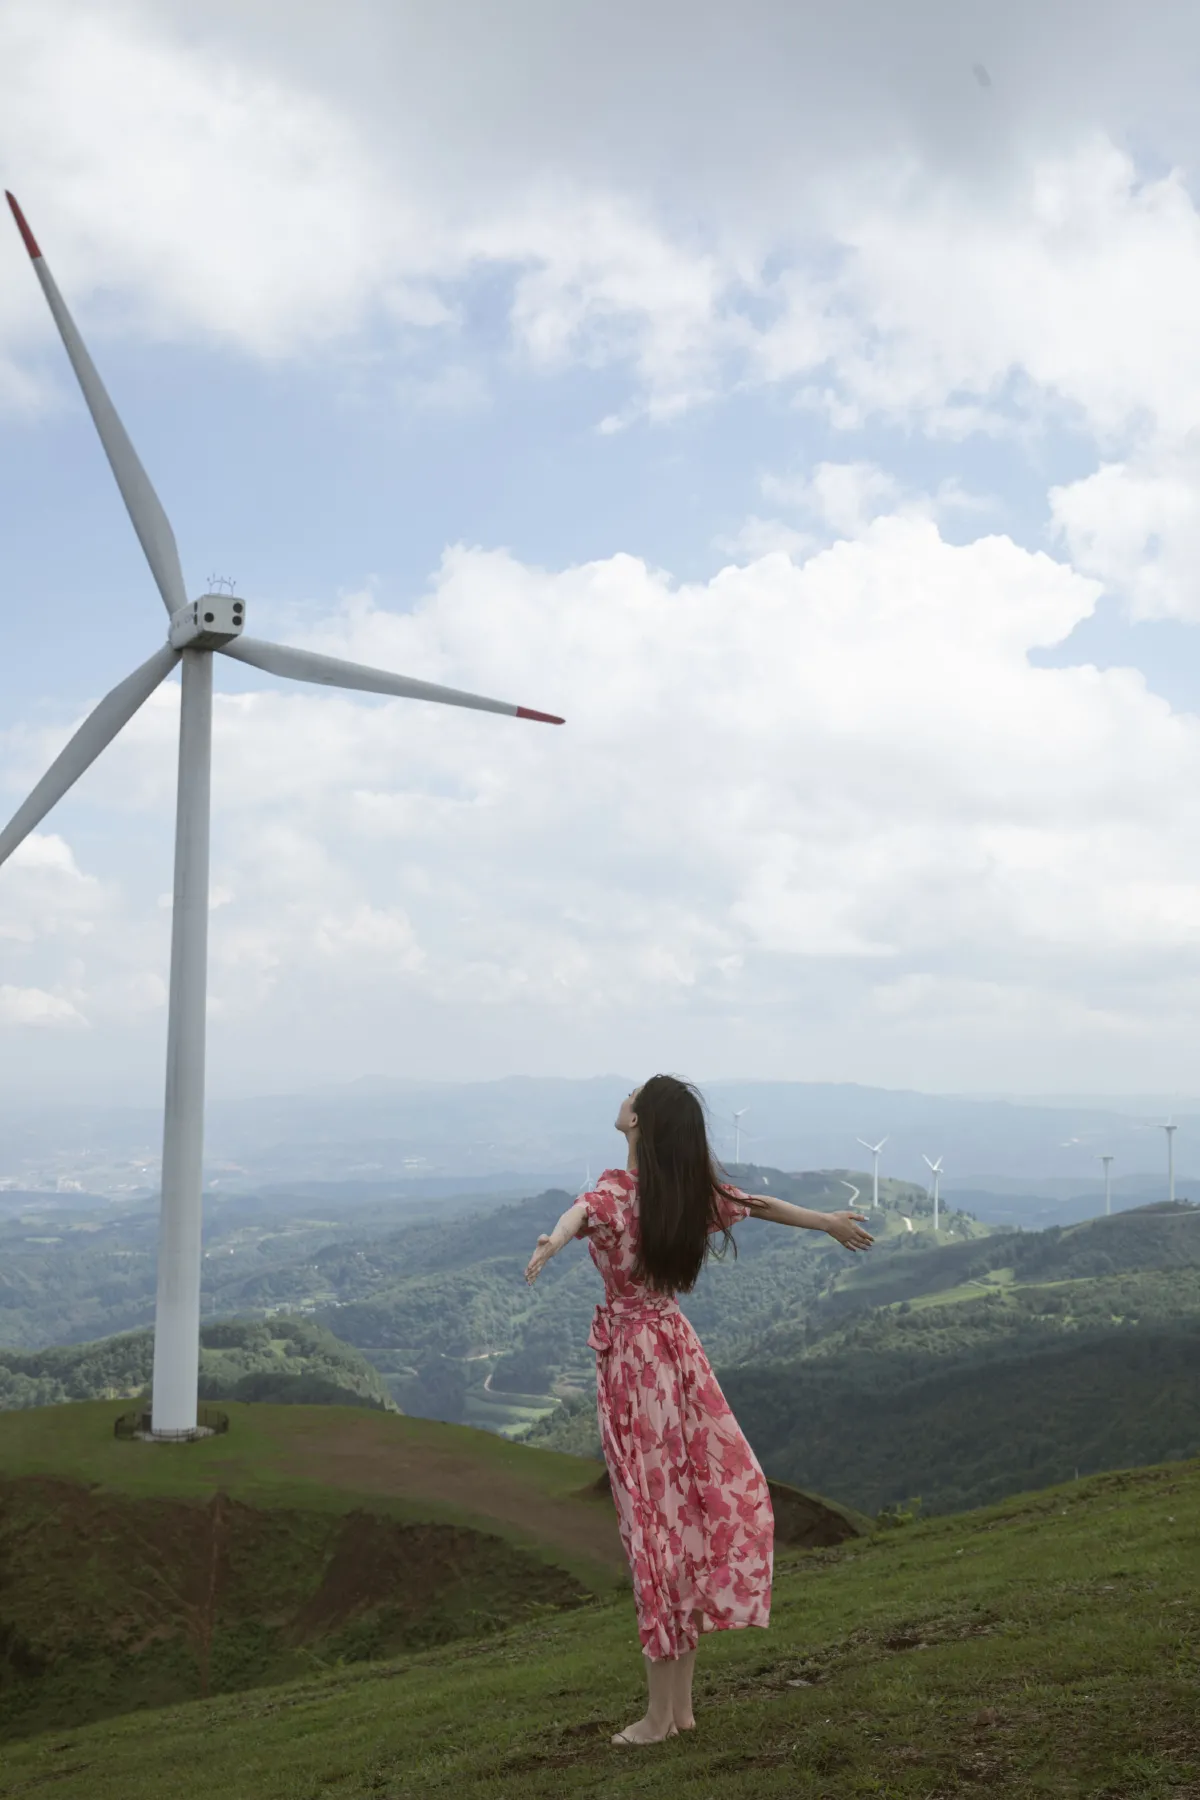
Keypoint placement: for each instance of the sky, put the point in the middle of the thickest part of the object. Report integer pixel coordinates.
(803, 401)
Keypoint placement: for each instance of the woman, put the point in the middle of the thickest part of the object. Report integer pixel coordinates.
(692, 1502)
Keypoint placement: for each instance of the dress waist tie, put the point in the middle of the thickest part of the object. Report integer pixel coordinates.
(629, 1312)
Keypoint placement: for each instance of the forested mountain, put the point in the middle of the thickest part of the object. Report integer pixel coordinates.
(446, 1314)
(73, 1269)
(280, 1360)
(441, 1307)
(966, 1372)
(965, 1432)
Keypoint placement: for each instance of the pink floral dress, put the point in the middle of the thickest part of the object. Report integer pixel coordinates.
(692, 1502)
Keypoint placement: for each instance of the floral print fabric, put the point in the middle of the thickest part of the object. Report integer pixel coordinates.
(692, 1502)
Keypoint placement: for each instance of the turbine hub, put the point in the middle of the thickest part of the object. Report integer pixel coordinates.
(207, 623)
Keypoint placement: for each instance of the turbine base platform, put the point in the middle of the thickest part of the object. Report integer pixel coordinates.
(137, 1427)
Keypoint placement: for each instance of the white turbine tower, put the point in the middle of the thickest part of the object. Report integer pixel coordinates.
(874, 1149)
(737, 1134)
(1108, 1162)
(1170, 1131)
(935, 1169)
(196, 629)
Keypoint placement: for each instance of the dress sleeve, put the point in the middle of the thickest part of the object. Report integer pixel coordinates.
(603, 1221)
(731, 1207)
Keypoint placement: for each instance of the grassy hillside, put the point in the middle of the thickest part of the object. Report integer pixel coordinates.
(137, 1574)
(292, 1361)
(134, 1575)
(113, 1605)
(329, 1458)
(1048, 1646)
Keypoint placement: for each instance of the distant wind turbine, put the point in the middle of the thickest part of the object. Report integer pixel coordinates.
(197, 628)
(874, 1149)
(935, 1169)
(1107, 1161)
(1170, 1131)
(737, 1133)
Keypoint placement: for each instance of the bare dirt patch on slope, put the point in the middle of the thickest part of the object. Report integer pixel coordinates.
(343, 1453)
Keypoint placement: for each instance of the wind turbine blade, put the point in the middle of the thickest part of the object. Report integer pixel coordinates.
(331, 671)
(865, 1144)
(144, 507)
(94, 735)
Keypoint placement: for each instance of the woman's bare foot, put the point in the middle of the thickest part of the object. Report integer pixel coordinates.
(686, 1723)
(646, 1731)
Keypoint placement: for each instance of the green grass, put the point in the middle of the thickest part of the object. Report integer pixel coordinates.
(1046, 1646)
(138, 1575)
(1002, 1284)
(415, 1470)
(66, 1441)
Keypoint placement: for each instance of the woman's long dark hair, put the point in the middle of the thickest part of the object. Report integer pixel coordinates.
(679, 1187)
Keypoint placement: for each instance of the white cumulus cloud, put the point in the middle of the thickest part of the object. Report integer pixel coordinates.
(1136, 526)
(33, 1006)
(812, 807)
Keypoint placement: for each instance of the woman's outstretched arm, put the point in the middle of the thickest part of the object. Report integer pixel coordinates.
(843, 1226)
(550, 1243)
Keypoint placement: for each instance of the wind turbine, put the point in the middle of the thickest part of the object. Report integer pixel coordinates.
(737, 1134)
(197, 628)
(1170, 1131)
(1108, 1161)
(874, 1149)
(935, 1169)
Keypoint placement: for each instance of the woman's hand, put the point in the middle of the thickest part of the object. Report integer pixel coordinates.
(545, 1250)
(851, 1236)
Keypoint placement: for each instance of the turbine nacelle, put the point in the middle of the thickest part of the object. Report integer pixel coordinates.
(207, 623)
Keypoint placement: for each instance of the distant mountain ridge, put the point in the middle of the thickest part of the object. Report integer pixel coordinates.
(380, 1130)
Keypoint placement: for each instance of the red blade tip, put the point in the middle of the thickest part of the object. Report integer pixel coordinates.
(527, 712)
(22, 225)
